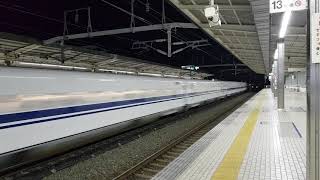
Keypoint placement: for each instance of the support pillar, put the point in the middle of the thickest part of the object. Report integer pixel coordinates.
(169, 42)
(313, 92)
(274, 78)
(280, 73)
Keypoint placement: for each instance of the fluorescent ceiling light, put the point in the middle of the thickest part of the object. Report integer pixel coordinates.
(50, 65)
(116, 71)
(151, 74)
(190, 67)
(173, 76)
(276, 54)
(284, 24)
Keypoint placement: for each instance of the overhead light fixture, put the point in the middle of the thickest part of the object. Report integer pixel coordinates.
(276, 54)
(190, 67)
(31, 64)
(284, 24)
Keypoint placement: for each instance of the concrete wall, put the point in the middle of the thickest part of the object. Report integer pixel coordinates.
(296, 81)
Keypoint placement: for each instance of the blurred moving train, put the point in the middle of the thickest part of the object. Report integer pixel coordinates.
(44, 112)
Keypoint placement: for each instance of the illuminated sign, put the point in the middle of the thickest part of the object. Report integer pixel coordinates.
(315, 37)
(278, 6)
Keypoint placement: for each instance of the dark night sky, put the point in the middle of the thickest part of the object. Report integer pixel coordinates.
(43, 19)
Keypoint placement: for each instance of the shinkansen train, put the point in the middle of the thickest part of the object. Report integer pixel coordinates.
(44, 112)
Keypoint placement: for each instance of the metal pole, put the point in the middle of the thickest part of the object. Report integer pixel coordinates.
(280, 74)
(274, 78)
(169, 42)
(313, 93)
(272, 83)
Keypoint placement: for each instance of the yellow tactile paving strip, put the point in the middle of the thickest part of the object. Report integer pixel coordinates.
(230, 165)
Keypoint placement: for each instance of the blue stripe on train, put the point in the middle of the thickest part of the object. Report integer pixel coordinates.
(81, 114)
(6, 118)
(99, 107)
(73, 109)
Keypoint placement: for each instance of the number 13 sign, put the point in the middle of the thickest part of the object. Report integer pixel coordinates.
(277, 6)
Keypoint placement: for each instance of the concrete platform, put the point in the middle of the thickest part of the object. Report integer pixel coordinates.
(255, 142)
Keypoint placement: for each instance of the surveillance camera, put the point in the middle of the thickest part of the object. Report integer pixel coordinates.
(212, 15)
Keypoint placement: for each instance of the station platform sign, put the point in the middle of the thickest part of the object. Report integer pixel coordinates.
(278, 6)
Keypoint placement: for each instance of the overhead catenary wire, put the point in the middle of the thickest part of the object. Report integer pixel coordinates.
(167, 18)
(180, 38)
(177, 36)
(127, 12)
(56, 21)
(53, 20)
(35, 14)
(136, 16)
(145, 21)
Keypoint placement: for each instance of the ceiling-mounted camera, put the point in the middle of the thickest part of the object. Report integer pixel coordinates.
(212, 14)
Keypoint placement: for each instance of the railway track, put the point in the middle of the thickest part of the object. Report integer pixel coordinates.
(159, 160)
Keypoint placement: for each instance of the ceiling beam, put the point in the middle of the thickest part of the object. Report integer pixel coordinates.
(291, 35)
(243, 44)
(238, 37)
(221, 65)
(292, 30)
(198, 22)
(235, 12)
(232, 27)
(214, 32)
(25, 49)
(248, 50)
(221, 7)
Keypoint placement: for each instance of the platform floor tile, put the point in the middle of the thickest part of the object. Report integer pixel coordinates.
(201, 159)
(276, 149)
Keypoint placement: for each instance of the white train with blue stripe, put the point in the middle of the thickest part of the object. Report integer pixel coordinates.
(44, 112)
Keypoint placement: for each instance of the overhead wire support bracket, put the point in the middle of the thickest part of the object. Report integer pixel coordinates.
(65, 27)
(132, 21)
(89, 28)
(169, 42)
(147, 6)
(163, 20)
(76, 18)
(122, 31)
(188, 44)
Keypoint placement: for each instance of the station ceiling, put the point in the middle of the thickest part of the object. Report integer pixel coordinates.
(239, 31)
(29, 51)
(235, 43)
(250, 33)
(295, 40)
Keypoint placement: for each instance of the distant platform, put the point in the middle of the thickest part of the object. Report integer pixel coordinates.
(255, 142)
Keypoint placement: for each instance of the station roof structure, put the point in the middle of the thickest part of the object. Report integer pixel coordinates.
(239, 32)
(295, 40)
(249, 32)
(237, 50)
(26, 50)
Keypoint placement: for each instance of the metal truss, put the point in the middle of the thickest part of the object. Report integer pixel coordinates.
(152, 45)
(15, 51)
